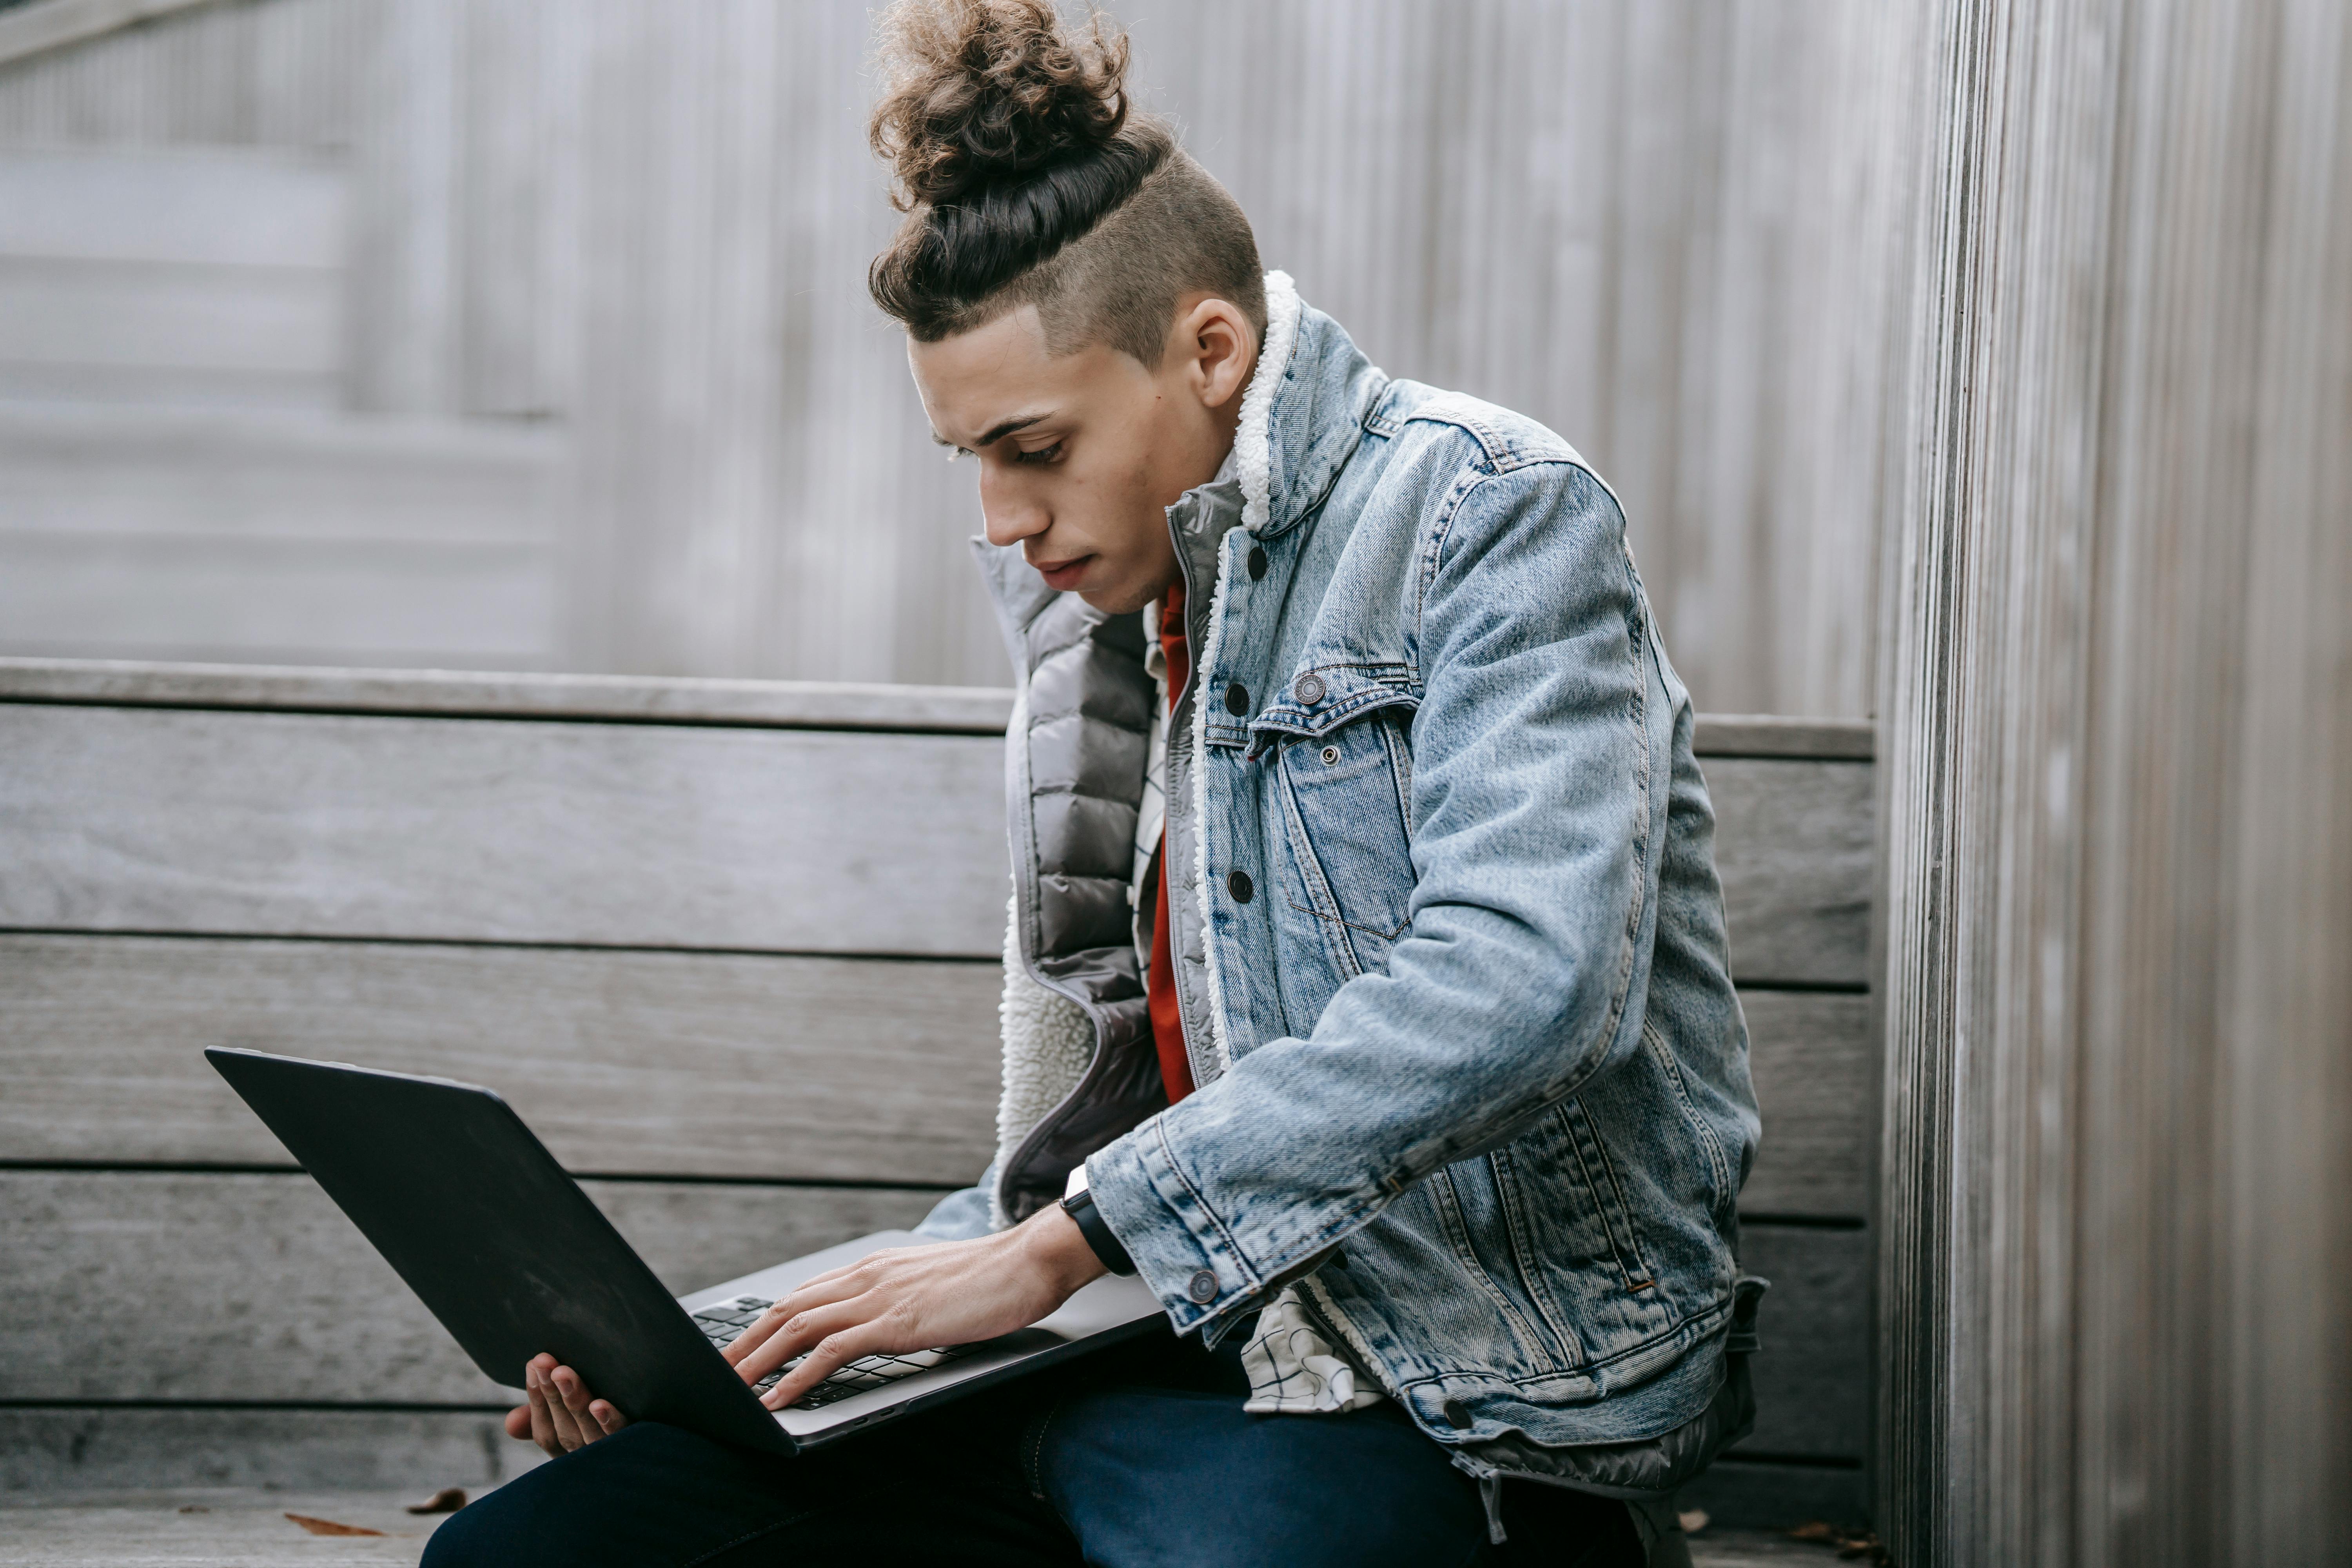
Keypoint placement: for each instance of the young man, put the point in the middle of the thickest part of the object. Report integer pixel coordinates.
(1365, 988)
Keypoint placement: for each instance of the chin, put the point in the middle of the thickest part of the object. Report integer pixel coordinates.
(1115, 601)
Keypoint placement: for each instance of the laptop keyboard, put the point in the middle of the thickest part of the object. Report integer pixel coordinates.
(722, 1322)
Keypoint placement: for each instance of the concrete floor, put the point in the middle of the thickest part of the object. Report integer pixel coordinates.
(247, 1528)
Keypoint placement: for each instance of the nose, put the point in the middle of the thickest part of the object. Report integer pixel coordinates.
(1008, 515)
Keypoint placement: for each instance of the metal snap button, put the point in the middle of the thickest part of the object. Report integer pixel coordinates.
(1201, 1287)
(1307, 690)
(1256, 561)
(1459, 1413)
(1238, 699)
(1330, 755)
(1240, 886)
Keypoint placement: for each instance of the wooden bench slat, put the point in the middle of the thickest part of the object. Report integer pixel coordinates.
(74, 1448)
(284, 825)
(665, 1063)
(643, 1063)
(1794, 846)
(502, 694)
(181, 1286)
(672, 699)
(1813, 1058)
(184, 1286)
(1812, 1377)
(622, 835)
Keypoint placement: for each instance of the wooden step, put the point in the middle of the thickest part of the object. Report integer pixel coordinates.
(248, 1528)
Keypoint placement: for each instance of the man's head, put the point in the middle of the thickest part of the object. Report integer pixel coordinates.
(1083, 302)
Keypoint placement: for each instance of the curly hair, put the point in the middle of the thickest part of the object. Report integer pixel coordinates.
(1028, 177)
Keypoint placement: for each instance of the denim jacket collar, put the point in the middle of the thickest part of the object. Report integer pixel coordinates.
(1302, 414)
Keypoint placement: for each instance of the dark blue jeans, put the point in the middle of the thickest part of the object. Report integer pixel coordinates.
(1139, 1456)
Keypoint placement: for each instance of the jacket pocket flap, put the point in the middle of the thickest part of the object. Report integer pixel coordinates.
(1319, 698)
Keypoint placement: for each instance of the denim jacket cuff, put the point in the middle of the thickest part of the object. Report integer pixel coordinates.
(1180, 1249)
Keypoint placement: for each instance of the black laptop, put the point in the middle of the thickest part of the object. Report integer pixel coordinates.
(500, 1243)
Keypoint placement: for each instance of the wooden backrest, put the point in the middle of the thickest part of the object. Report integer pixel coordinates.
(729, 947)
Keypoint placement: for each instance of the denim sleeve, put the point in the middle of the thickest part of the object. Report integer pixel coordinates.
(962, 1214)
(1532, 798)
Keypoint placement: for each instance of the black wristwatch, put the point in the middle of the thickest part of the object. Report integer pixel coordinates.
(1080, 1206)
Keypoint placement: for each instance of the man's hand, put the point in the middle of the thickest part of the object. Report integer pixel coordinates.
(562, 1415)
(915, 1298)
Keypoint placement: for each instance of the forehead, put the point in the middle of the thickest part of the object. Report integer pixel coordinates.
(973, 382)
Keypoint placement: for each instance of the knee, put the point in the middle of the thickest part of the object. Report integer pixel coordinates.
(467, 1538)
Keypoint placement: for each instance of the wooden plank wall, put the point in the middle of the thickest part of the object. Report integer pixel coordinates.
(2118, 1272)
(677, 924)
(172, 275)
(1662, 226)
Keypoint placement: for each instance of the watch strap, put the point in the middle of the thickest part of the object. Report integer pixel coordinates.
(1080, 1206)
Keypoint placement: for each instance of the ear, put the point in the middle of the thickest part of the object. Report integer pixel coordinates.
(1215, 349)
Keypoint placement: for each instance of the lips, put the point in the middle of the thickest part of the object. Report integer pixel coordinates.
(1063, 575)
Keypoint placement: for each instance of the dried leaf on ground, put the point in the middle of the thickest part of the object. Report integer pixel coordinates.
(329, 1527)
(449, 1499)
(1851, 1544)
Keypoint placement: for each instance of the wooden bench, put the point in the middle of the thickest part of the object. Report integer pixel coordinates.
(730, 947)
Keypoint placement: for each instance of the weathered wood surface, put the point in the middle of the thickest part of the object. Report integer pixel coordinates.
(2119, 877)
(470, 694)
(1812, 1376)
(247, 1528)
(53, 1451)
(284, 1301)
(1794, 843)
(246, 207)
(281, 1300)
(1771, 735)
(663, 1063)
(231, 474)
(119, 819)
(1778, 1498)
(619, 835)
(47, 25)
(215, 1528)
(132, 793)
(391, 542)
(786, 704)
(173, 275)
(1815, 1063)
(642, 1063)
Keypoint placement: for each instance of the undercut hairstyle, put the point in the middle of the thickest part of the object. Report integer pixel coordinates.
(1029, 178)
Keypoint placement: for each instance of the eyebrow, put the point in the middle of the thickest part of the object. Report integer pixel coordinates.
(998, 433)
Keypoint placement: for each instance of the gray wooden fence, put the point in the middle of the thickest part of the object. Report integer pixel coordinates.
(628, 237)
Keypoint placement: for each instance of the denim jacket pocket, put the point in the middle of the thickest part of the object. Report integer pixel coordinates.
(1596, 1224)
(1346, 800)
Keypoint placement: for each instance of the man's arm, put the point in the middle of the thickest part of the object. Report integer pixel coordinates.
(1532, 809)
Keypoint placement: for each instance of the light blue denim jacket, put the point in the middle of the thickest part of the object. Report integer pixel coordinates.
(1471, 1068)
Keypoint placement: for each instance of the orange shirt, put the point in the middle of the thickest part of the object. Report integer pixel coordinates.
(1160, 984)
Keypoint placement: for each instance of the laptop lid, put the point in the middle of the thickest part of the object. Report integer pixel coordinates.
(496, 1237)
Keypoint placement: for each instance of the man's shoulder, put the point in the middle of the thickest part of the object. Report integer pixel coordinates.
(1495, 437)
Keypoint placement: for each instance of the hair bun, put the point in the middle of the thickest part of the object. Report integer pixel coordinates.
(980, 92)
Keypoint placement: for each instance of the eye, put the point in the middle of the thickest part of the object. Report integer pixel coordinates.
(1041, 454)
